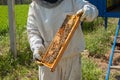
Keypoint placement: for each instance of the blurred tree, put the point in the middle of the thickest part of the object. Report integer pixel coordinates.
(4, 2)
(21, 1)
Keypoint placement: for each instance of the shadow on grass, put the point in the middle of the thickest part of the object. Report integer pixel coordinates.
(117, 77)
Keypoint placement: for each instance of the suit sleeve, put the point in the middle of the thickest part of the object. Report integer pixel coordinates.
(34, 36)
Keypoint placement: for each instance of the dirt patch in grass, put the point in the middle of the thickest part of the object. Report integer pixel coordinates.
(102, 63)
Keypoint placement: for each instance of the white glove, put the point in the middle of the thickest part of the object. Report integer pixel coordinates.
(87, 13)
(37, 57)
(37, 54)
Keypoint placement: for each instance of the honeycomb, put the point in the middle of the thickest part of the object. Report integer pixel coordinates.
(60, 42)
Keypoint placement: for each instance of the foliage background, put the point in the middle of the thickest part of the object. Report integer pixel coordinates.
(4, 2)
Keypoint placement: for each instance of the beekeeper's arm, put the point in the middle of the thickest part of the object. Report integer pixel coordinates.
(90, 12)
(34, 36)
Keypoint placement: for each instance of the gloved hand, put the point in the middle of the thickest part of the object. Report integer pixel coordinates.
(87, 13)
(37, 54)
(37, 57)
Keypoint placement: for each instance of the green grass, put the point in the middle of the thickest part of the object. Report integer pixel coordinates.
(90, 70)
(98, 40)
(98, 43)
(21, 12)
(23, 68)
(3, 19)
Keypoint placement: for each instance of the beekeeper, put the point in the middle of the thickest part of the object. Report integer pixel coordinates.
(45, 17)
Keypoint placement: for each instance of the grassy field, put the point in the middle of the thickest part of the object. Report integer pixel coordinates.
(23, 68)
(98, 44)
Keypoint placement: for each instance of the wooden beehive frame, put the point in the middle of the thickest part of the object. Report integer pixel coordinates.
(60, 42)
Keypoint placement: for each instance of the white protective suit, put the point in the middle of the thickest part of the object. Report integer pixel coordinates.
(42, 25)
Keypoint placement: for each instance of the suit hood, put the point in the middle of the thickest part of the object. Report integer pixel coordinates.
(50, 3)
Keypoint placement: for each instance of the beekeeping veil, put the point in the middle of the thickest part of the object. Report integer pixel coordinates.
(50, 3)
